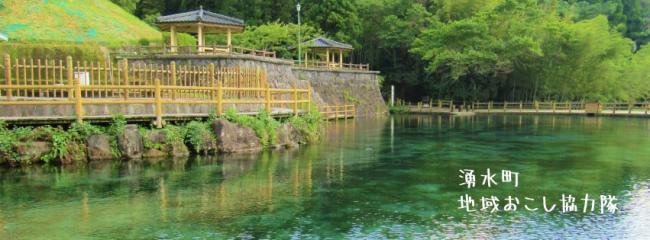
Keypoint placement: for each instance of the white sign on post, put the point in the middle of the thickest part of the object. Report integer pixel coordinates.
(84, 77)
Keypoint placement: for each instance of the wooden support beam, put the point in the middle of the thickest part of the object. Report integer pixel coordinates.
(172, 38)
(229, 40)
(200, 38)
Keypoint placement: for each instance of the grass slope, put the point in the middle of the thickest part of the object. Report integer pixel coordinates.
(76, 21)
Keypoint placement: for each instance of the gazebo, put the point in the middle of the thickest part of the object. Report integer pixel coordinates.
(200, 22)
(331, 50)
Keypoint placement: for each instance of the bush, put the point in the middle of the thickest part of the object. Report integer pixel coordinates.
(310, 124)
(263, 124)
(197, 134)
(53, 51)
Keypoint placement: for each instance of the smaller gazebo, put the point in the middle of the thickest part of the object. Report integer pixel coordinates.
(200, 22)
(329, 50)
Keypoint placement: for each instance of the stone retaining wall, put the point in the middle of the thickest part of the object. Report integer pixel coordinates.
(340, 87)
(330, 87)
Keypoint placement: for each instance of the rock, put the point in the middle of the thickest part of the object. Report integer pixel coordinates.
(32, 151)
(99, 147)
(159, 146)
(130, 143)
(177, 149)
(76, 153)
(234, 138)
(288, 136)
(154, 153)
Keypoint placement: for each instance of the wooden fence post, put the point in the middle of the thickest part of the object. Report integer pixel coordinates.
(70, 76)
(212, 81)
(125, 72)
(308, 97)
(505, 105)
(646, 108)
(78, 104)
(295, 101)
(158, 95)
(220, 98)
(536, 106)
(489, 107)
(451, 106)
(439, 104)
(173, 72)
(267, 99)
(570, 105)
(553, 106)
(521, 106)
(7, 63)
(629, 108)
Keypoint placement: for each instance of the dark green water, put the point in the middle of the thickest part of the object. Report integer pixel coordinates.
(373, 179)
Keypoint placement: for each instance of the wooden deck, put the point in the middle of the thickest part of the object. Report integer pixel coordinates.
(564, 108)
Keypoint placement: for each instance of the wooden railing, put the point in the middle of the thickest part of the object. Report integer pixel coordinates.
(58, 82)
(558, 107)
(332, 65)
(338, 111)
(192, 50)
(633, 108)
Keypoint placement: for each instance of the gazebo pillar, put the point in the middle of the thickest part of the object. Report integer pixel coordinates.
(306, 58)
(200, 36)
(229, 40)
(340, 58)
(327, 57)
(172, 38)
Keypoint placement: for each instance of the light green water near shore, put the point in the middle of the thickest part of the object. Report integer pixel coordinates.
(387, 178)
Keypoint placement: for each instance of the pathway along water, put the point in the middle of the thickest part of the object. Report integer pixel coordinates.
(376, 178)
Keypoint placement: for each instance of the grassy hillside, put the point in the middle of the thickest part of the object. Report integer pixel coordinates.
(72, 21)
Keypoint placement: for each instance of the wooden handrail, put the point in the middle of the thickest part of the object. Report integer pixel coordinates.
(332, 65)
(192, 49)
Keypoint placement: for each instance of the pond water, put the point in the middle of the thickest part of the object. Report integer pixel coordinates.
(387, 178)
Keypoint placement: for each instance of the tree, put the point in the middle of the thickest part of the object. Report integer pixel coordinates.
(128, 5)
(338, 18)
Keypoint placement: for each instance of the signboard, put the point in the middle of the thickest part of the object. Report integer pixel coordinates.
(84, 77)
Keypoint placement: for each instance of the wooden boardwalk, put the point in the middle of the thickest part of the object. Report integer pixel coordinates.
(565, 108)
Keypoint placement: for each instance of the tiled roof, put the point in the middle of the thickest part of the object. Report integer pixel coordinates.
(201, 16)
(321, 42)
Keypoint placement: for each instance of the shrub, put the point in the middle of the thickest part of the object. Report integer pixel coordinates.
(197, 134)
(115, 129)
(263, 124)
(310, 124)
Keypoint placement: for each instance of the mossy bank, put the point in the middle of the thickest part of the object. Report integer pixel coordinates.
(82, 142)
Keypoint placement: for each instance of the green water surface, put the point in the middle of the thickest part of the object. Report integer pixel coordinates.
(387, 178)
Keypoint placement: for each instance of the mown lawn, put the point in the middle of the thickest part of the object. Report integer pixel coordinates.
(72, 21)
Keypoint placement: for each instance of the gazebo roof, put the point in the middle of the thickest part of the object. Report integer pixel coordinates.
(200, 16)
(321, 42)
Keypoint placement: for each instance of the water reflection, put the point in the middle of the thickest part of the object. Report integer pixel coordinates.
(369, 178)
